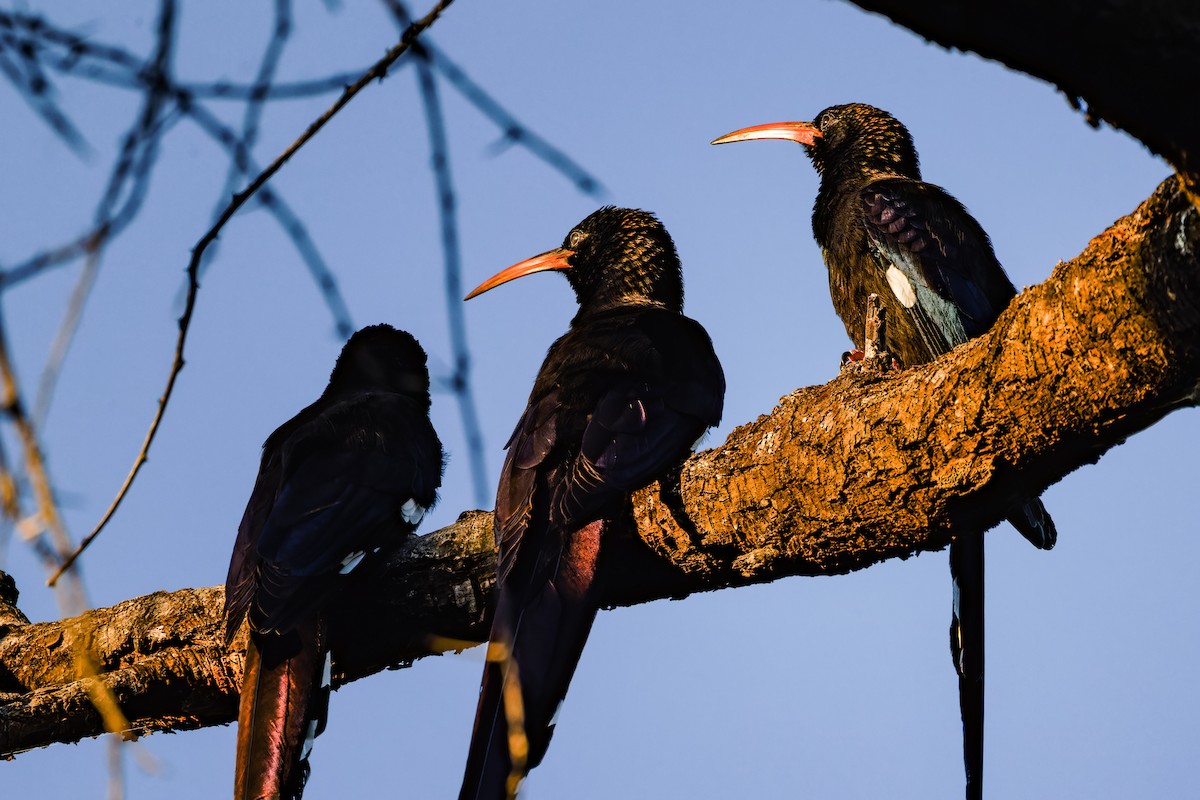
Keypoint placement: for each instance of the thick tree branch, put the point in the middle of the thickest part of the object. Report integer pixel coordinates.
(1134, 63)
(870, 466)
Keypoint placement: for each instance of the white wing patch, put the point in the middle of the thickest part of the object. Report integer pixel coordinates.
(961, 664)
(309, 735)
(351, 561)
(557, 711)
(937, 319)
(310, 732)
(901, 287)
(412, 512)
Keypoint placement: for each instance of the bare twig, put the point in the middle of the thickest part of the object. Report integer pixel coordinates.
(135, 163)
(116, 769)
(51, 257)
(32, 84)
(106, 229)
(112, 65)
(322, 275)
(72, 598)
(10, 505)
(252, 113)
(241, 163)
(282, 212)
(35, 464)
(378, 71)
(77, 56)
(460, 379)
(514, 133)
(66, 334)
(133, 166)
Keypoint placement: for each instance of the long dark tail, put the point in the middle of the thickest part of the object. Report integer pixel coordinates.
(1032, 520)
(537, 638)
(284, 705)
(966, 648)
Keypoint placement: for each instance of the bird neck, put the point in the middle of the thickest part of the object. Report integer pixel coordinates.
(412, 385)
(827, 209)
(635, 288)
(622, 305)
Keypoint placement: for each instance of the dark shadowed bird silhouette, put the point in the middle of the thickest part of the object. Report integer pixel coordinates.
(884, 231)
(620, 401)
(350, 474)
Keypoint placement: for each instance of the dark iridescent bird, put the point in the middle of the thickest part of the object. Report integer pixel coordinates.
(882, 230)
(350, 474)
(620, 401)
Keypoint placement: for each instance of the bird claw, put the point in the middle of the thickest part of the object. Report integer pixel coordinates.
(879, 361)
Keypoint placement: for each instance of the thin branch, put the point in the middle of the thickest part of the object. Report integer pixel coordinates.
(252, 113)
(116, 769)
(460, 379)
(137, 158)
(105, 230)
(321, 274)
(63, 338)
(259, 91)
(71, 54)
(51, 257)
(379, 71)
(240, 147)
(38, 92)
(71, 598)
(134, 165)
(120, 68)
(35, 464)
(282, 213)
(515, 133)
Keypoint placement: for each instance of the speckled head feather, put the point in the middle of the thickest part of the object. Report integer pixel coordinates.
(380, 357)
(623, 256)
(861, 141)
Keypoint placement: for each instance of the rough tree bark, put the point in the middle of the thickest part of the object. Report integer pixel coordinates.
(838, 477)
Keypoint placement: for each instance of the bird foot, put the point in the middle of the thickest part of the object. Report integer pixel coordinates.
(851, 357)
(878, 361)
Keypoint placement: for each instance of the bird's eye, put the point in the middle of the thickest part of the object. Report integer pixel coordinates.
(575, 239)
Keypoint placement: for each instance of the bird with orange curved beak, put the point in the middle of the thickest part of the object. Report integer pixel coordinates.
(620, 401)
(884, 231)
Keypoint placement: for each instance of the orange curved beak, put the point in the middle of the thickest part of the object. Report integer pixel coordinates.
(556, 259)
(802, 132)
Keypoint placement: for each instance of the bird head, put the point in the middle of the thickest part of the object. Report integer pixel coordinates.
(845, 142)
(614, 257)
(381, 358)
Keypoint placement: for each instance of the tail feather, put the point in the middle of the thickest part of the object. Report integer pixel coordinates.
(967, 650)
(283, 707)
(1033, 521)
(535, 647)
(499, 754)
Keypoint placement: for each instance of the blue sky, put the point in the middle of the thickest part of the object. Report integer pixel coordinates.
(838, 688)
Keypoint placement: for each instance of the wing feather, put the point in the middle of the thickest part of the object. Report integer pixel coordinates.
(928, 236)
